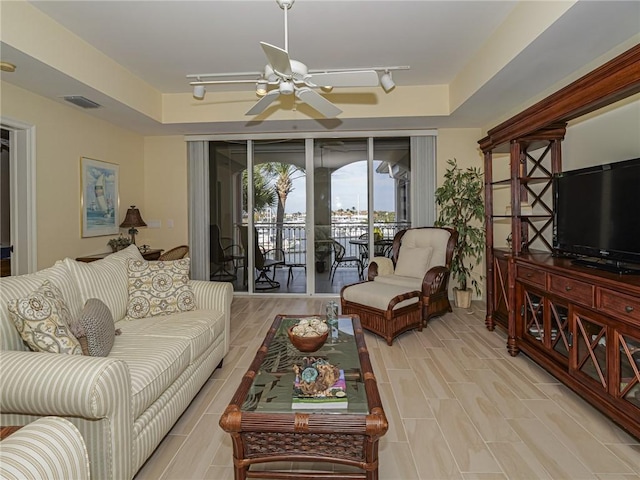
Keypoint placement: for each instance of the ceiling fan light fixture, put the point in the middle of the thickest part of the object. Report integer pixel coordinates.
(261, 87)
(199, 91)
(286, 88)
(387, 81)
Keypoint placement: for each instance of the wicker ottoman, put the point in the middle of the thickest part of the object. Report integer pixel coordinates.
(386, 310)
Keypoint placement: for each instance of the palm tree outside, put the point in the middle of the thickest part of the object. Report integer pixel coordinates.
(282, 176)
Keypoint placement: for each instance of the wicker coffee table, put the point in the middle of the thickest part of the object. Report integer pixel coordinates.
(264, 427)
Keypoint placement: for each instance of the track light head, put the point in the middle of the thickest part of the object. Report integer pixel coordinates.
(261, 87)
(387, 81)
(199, 91)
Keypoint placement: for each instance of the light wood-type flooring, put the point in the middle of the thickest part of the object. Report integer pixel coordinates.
(459, 407)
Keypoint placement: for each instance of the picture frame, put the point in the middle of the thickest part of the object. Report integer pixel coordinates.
(100, 199)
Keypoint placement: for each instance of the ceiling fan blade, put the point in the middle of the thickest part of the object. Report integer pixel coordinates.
(318, 102)
(361, 78)
(278, 59)
(262, 104)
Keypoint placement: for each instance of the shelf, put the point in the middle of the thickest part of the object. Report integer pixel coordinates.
(521, 180)
(535, 216)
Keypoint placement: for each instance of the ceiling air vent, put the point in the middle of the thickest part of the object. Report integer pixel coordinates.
(81, 101)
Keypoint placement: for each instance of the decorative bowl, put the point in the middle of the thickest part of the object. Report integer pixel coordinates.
(307, 344)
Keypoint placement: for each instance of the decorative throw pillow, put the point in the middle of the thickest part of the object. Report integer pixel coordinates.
(159, 288)
(413, 261)
(94, 329)
(42, 318)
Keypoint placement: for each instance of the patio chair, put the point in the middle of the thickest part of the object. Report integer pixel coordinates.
(340, 258)
(176, 253)
(220, 257)
(265, 261)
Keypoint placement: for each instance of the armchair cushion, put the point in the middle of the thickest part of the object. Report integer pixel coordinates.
(42, 318)
(377, 295)
(413, 261)
(410, 283)
(384, 265)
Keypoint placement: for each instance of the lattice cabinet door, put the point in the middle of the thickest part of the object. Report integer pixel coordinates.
(627, 361)
(561, 337)
(533, 316)
(591, 340)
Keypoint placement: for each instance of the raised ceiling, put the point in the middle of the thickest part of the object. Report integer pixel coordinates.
(159, 42)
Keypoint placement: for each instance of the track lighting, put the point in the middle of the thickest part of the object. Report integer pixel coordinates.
(261, 87)
(199, 91)
(387, 82)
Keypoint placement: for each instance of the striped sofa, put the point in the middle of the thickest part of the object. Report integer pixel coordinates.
(125, 403)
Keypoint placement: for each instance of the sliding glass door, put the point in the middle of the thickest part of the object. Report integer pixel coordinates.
(305, 216)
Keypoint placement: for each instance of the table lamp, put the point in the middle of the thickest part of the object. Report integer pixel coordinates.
(132, 220)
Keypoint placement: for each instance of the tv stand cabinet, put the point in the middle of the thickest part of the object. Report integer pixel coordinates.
(580, 323)
(583, 326)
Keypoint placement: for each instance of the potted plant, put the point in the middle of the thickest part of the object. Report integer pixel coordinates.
(119, 243)
(460, 202)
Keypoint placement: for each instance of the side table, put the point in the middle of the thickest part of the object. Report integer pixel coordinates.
(149, 254)
(6, 431)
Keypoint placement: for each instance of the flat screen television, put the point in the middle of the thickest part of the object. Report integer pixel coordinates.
(597, 216)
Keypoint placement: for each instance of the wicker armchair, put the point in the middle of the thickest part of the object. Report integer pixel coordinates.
(401, 293)
(435, 280)
(175, 253)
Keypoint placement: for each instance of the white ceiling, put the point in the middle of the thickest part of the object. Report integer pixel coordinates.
(162, 41)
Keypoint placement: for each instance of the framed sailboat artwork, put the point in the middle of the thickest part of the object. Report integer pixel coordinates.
(100, 198)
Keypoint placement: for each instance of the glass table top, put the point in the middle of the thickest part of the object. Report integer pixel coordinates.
(272, 387)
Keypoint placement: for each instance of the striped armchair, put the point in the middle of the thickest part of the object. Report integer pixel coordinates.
(124, 403)
(50, 447)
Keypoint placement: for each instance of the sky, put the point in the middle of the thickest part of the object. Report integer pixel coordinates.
(348, 189)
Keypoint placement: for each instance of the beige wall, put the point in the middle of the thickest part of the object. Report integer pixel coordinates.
(461, 144)
(165, 178)
(63, 135)
(607, 135)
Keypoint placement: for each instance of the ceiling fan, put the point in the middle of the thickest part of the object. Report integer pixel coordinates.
(285, 76)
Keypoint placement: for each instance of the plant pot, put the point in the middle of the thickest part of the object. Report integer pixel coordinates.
(320, 266)
(462, 297)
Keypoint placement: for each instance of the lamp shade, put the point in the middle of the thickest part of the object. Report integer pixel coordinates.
(133, 218)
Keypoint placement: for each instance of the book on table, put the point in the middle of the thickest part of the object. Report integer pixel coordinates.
(334, 397)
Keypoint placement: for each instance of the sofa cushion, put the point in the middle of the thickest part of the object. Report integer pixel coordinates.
(154, 364)
(413, 261)
(198, 327)
(105, 279)
(159, 288)
(42, 319)
(23, 285)
(95, 329)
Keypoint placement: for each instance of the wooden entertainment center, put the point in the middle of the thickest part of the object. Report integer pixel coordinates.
(579, 323)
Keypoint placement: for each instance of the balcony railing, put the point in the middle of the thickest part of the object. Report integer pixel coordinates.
(294, 242)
